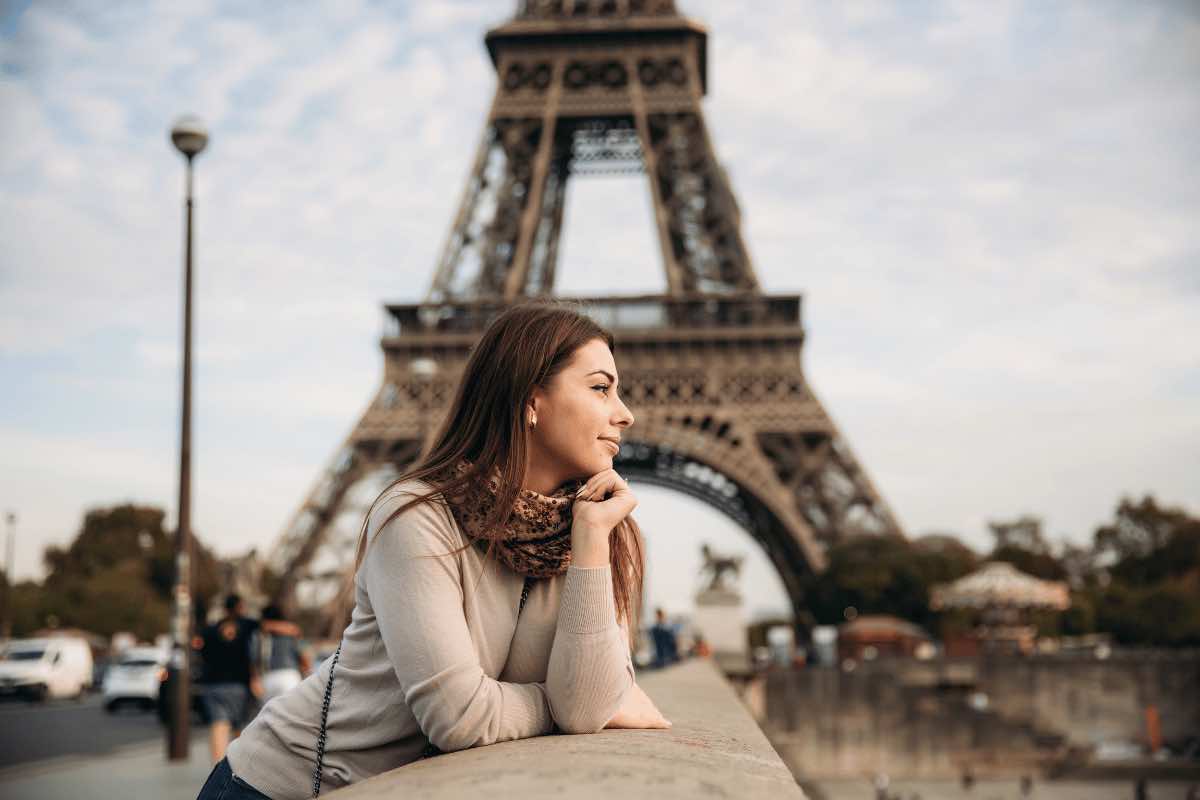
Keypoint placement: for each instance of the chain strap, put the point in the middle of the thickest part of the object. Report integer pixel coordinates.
(430, 749)
(324, 718)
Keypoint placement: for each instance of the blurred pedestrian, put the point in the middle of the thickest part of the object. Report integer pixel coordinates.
(280, 657)
(968, 779)
(230, 680)
(227, 676)
(666, 646)
(881, 786)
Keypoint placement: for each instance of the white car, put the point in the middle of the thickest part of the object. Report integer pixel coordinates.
(134, 678)
(41, 668)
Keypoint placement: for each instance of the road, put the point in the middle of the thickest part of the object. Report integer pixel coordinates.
(34, 732)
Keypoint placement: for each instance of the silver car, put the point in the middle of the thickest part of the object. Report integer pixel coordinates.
(134, 678)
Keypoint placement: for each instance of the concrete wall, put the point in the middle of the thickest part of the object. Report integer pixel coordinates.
(1090, 700)
(910, 718)
(714, 749)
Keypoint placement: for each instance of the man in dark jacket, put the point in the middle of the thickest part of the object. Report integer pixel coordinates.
(231, 681)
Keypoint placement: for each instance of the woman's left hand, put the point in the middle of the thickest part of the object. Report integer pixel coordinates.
(600, 505)
(602, 502)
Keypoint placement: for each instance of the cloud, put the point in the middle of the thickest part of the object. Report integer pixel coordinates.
(990, 212)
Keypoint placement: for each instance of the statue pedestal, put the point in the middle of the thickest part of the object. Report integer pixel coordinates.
(719, 619)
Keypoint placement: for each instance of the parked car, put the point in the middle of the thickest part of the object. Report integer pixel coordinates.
(40, 668)
(134, 678)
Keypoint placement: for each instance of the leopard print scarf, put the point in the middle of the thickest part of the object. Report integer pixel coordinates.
(537, 540)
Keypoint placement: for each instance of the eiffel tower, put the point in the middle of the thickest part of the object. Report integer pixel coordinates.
(712, 367)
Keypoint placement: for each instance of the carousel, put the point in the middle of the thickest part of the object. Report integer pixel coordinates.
(1004, 600)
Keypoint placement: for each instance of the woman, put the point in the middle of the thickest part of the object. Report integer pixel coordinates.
(496, 586)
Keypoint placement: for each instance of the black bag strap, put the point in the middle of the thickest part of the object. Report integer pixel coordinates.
(430, 750)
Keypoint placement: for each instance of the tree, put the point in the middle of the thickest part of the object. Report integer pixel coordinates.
(886, 575)
(1145, 543)
(1164, 614)
(1151, 559)
(1020, 542)
(118, 574)
(1024, 533)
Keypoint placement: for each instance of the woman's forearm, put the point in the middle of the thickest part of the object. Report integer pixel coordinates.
(590, 669)
(589, 546)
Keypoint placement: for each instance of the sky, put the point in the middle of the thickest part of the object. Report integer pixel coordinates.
(990, 209)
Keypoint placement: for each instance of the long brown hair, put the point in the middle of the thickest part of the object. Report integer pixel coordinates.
(523, 348)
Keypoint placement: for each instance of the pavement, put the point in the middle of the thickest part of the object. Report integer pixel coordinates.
(136, 771)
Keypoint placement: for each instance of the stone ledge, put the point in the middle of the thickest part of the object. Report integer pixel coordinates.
(714, 749)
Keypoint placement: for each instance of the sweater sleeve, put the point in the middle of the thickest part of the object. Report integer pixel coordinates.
(590, 667)
(416, 592)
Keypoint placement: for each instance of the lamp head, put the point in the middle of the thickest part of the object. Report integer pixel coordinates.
(189, 135)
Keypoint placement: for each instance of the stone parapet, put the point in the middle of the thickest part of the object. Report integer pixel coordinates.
(714, 749)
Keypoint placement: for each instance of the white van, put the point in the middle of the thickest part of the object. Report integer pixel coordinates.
(41, 668)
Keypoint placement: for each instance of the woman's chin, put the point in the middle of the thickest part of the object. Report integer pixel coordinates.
(599, 464)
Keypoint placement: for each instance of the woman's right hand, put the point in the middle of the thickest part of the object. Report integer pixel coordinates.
(638, 711)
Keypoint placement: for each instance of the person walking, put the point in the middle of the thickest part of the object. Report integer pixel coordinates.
(495, 583)
(229, 678)
(280, 658)
(227, 675)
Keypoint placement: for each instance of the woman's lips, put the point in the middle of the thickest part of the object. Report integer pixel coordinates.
(616, 447)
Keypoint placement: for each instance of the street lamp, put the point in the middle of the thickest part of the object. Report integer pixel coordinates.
(189, 137)
(10, 576)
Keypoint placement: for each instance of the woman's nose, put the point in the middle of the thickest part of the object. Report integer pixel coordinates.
(625, 416)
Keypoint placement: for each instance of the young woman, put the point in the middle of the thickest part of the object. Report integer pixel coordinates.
(497, 583)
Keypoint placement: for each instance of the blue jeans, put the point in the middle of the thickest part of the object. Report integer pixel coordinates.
(222, 784)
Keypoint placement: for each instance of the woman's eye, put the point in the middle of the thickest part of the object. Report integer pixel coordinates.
(602, 387)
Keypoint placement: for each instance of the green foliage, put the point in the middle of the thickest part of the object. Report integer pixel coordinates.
(1166, 613)
(1022, 543)
(1139, 581)
(885, 575)
(1147, 544)
(1151, 581)
(117, 575)
(1023, 533)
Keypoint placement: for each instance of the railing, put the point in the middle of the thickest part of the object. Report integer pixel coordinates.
(649, 312)
(714, 750)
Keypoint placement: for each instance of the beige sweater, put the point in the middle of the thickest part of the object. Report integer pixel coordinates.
(434, 653)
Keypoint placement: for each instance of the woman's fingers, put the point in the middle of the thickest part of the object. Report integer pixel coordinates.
(601, 484)
(638, 711)
(603, 501)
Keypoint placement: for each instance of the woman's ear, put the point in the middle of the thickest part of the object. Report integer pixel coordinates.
(536, 400)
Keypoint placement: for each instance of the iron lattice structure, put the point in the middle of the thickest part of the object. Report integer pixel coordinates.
(712, 367)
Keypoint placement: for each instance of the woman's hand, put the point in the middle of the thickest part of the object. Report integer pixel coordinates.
(600, 505)
(638, 711)
(603, 501)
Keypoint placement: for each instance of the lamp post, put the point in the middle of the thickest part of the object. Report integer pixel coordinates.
(10, 576)
(189, 137)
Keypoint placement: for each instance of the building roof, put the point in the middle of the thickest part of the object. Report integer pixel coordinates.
(870, 626)
(998, 584)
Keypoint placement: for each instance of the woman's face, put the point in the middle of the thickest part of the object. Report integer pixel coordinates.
(580, 420)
